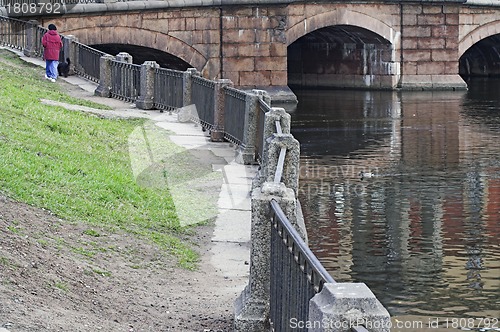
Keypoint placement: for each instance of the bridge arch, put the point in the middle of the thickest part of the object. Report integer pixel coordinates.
(342, 49)
(478, 34)
(343, 17)
(145, 38)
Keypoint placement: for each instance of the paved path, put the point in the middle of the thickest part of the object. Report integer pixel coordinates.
(230, 249)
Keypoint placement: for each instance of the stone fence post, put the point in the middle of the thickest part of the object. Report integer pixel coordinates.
(340, 306)
(147, 91)
(246, 151)
(70, 51)
(187, 85)
(290, 176)
(275, 114)
(252, 306)
(104, 87)
(217, 133)
(124, 57)
(31, 35)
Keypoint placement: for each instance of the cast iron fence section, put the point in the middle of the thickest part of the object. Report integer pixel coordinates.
(296, 274)
(203, 96)
(261, 115)
(234, 114)
(125, 80)
(13, 33)
(88, 64)
(168, 89)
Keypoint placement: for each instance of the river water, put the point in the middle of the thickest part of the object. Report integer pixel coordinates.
(401, 191)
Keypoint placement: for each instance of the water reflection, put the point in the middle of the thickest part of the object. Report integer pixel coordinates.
(423, 231)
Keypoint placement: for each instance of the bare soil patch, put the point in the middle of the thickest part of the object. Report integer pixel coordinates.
(61, 276)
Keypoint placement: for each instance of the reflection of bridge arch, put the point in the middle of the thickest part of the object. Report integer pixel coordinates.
(342, 17)
(144, 38)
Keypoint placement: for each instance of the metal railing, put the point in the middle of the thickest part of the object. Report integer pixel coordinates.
(13, 33)
(234, 115)
(261, 115)
(88, 63)
(168, 90)
(296, 274)
(203, 97)
(125, 80)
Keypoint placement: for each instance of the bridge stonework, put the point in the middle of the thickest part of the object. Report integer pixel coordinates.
(413, 44)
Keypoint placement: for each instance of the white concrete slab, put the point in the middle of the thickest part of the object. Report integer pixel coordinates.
(232, 226)
(232, 260)
(234, 196)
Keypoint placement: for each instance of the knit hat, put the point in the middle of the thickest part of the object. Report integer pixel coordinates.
(52, 27)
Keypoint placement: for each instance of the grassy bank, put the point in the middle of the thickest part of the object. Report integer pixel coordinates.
(77, 165)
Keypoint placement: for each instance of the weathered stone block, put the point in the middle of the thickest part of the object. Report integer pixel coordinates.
(270, 63)
(430, 19)
(255, 79)
(279, 78)
(239, 36)
(417, 55)
(239, 64)
(417, 32)
(206, 23)
(443, 55)
(431, 68)
(431, 43)
(341, 306)
(177, 24)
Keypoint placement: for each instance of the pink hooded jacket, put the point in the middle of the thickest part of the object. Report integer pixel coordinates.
(52, 44)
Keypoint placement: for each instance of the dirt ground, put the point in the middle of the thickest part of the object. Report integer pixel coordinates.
(59, 276)
(62, 276)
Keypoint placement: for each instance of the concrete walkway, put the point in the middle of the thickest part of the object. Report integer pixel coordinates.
(230, 249)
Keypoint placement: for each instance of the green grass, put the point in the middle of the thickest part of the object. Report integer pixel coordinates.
(77, 165)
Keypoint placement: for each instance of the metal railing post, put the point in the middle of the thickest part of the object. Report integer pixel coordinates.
(146, 96)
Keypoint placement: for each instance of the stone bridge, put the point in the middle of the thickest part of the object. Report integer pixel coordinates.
(274, 44)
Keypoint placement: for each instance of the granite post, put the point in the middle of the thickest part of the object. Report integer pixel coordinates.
(341, 306)
(246, 151)
(147, 92)
(70, 51)
(252, 306)
(104, 87)
(187, 83)
(217, 133)
(31, 36)
(274, 115)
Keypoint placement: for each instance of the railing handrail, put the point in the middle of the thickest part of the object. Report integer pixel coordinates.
(309, 256)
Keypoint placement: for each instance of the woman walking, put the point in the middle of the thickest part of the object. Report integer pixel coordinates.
(52, 45)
